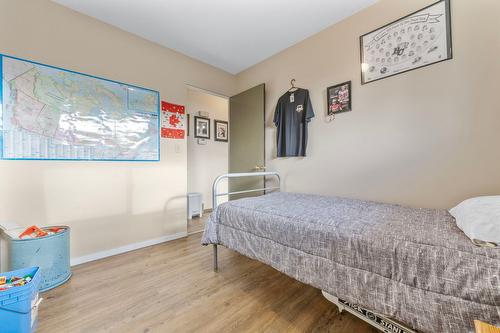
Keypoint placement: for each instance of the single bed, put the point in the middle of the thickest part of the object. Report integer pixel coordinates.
(409, 264)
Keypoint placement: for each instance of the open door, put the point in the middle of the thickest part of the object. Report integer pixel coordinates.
(246, 139)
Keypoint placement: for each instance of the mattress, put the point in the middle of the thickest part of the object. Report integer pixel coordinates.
(410, 264)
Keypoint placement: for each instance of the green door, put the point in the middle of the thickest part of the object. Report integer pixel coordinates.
(246, 139)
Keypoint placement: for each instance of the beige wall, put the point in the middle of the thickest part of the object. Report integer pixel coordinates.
(425, 138)
(206, 162)
(107, 205)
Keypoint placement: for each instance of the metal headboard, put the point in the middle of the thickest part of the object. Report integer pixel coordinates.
(215, 194)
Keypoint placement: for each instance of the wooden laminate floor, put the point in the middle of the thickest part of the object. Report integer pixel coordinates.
(197, 224)
(171, 288)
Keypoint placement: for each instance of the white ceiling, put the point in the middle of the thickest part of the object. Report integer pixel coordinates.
(229, 34)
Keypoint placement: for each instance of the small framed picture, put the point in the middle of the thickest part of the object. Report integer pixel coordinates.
(221, 130)
(339, 98)
(201, 127)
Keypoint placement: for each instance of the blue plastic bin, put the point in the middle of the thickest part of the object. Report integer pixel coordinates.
(18, 305)
(49, 253)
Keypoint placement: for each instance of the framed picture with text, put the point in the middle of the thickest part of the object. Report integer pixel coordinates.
(419, 39)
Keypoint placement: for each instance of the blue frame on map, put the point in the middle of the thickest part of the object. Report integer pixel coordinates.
(87, 75)
(1, 106)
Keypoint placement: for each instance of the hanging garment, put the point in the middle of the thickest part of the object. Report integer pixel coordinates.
(293, 112)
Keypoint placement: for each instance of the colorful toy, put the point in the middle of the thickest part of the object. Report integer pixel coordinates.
(33, 232)
(53, 230)
(36, 232)
(14, 281)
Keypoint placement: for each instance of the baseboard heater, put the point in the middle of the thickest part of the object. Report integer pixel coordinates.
(380, 322)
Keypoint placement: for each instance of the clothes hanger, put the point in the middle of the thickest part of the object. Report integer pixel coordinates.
(293, 88)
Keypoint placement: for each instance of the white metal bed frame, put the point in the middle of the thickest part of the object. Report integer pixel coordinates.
(378, 321)
(216, 194)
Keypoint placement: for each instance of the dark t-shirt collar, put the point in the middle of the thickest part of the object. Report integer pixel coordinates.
(293, 92)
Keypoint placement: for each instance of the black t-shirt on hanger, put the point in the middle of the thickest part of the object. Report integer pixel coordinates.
(293, 112)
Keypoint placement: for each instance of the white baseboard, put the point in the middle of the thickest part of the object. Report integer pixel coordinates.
(126, 248)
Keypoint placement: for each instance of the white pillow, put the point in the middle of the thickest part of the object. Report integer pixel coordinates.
(479, 219)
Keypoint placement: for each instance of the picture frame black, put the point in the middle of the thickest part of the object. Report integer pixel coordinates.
(338, 104)
(365, 66)
(221, 130)
(201, 127)
(188, 125)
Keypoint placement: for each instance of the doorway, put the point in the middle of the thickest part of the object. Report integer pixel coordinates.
(207, 158)
(210, 157)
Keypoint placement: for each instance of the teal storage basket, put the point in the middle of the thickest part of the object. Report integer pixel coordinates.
(50, 253)
(19, 305)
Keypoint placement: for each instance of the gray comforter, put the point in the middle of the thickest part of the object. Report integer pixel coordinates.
(413, 265)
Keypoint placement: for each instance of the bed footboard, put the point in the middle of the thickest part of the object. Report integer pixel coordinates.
(216, 194)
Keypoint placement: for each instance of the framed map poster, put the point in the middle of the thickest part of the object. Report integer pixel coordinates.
(49, 113)
(420, 39)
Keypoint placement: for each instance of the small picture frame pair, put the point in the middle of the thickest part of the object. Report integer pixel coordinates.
(202, 129)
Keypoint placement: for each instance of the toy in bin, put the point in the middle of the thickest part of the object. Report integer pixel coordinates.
(14, 281)
(36, 232)
(19, 300)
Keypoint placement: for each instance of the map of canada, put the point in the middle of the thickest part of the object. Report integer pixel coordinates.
(50, 113)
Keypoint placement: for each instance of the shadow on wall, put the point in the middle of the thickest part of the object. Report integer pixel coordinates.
(108, 232)
(107, 205)
(176, 207)
(111, 232)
